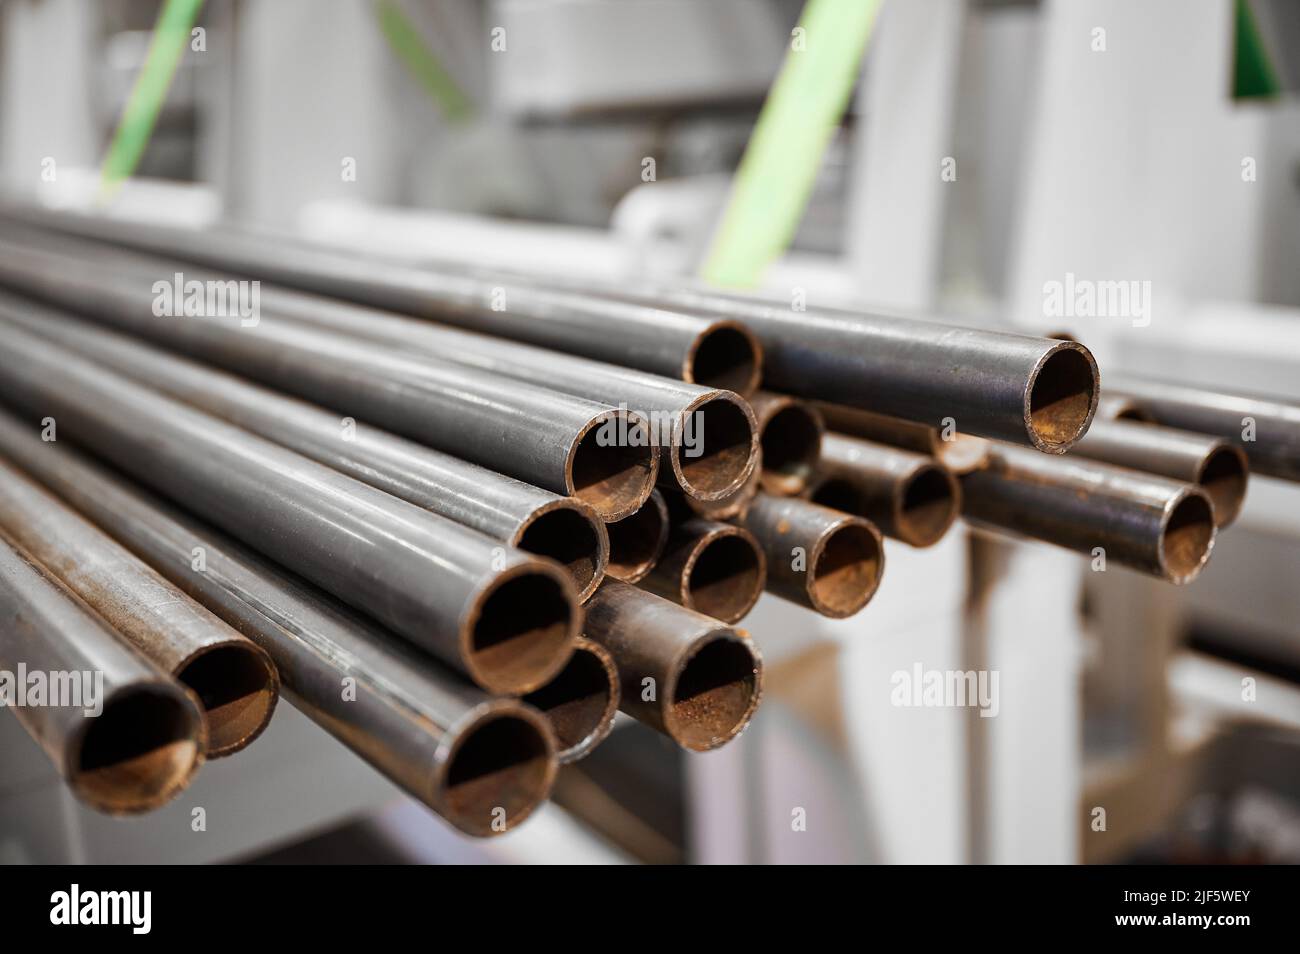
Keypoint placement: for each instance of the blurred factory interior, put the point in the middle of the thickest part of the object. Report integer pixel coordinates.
(989, 149)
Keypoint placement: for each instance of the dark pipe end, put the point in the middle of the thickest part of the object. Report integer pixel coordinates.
(613, 465)
(792, 443)
(929, 503)
(581, 701)
(846, 568)
(726, 355)
(1224, 476)
(725, 575)
(1187, 536)
(1062, 397)
(572, 534)
(715, 446)
(715, 691)
(237, 686)
(500, 768)
(637, 542)
(140, 751)
(522, 628)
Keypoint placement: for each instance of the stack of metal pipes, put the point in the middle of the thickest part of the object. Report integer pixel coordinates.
(463, 518)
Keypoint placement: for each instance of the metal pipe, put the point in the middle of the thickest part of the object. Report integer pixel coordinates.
(817, 557)
(234, 681)
(716, 353)
(552, 440)
(459, 751)
(727, 508)
(506, 618)
(713, 568)
(1220, 468)
(960, 453)
(637, 542)
(581, 701)
(790, 436)
(1147, 523)
(147, 739)
(680, 672)
(910, 497)
(1112, 407)
(1267, 429)
(537, 521)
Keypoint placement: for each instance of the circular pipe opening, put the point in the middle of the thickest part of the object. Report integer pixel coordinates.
(636, 542)
(580, 702)
(523, 633)
(613, 468)
(714, 694)
(1062, 398)
(928, 506)
(715, 450)
(501, 765)
(139, 751)
(725, 356)
(791, 442)
(1224, 476)
(725, 576)
(572, 539)
(846, 572)
(237, 686)
(1187, 538)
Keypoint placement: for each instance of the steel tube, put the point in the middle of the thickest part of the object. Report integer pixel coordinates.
(960, 453)
(148, 738)
(234, 681)
(1112, 407)
(1267, 429)
(817, 557)
(562, 528)
(1220, 468)
(790, 436)
(637, 542)
(552, 440)
(713, 568)
(1148, 523)
(505, 618)
(716, 353)
(726, 508)
(680, 672)
(580, 702)
(910, 497)
(456, 749)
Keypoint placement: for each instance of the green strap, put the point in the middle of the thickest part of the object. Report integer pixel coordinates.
(802, 111)
(1252, 73)
(405, 41)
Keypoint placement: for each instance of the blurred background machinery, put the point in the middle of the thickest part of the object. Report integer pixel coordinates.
(990, 148)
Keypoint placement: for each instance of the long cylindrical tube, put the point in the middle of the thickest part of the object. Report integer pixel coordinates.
(581, 701)
(1220, 468)
(717, 353)
(1112, 407)
(817, 557)
(506, 618)
(790, 435)
(234, 681)
(562, 528)
(910, 497)
(707, 436)
(637, 542)
(960, 453)
(713, 568)
(147, 738)
(463, 753)
(1148, 523)
(1267, 429)
(681, 672)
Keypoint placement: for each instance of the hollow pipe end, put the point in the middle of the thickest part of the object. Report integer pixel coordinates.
(581, 702)
(724, 574)
(725, 355)
(713, 690)
(845, 567)
(1187, 533)
(926, 505)
(237, 686)
(1061, 397)
(572, 533)
(637, 542)
(715, 446)
(613, 463)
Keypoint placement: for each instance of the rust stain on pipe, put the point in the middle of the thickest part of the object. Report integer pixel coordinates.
(713, 568)
(581, 701)
(637, 542)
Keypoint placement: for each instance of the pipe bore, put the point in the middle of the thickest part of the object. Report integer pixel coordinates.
(929, 504)
(613, 476)
(237, 686)
(636, 542)
(846, 570)
(581, 701)
(724, 577)
(726, 355)
(1187, 537)
(791, 443)
(1224, 476)
(1062, 397)
(574, 537)
(499, 770)
(714, 693)
(139, 751)
(523, 630)
(715, 450)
